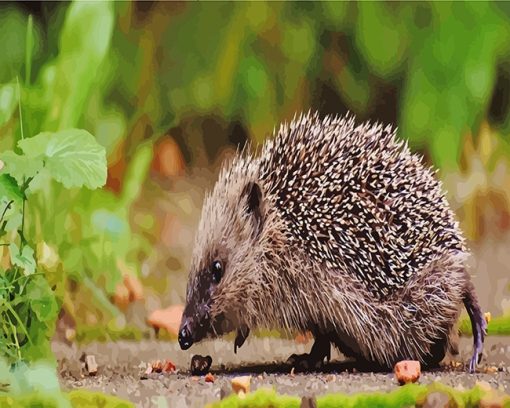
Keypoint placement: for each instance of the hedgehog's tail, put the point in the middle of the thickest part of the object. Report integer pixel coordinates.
(478, 324)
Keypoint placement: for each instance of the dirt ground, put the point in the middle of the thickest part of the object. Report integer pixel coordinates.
(121, 365)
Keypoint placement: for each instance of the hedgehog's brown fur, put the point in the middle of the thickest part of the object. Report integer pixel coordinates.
(351, 235)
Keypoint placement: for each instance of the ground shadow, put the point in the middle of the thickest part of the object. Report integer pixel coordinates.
(285, 368)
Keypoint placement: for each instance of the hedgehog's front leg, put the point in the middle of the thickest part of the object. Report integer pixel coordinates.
(242, 334)
(478, 325)
(321, 350)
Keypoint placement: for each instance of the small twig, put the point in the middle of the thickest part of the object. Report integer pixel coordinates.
(25, 182)
(7, 207)
(21, 233)
(19, 106)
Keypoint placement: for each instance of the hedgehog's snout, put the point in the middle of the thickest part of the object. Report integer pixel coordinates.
(195, 325)
(185, 335)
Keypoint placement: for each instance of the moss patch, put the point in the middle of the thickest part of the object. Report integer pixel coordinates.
(499, 325)
(102, 334)
(77, 399)
(82, 398)
(408, 395)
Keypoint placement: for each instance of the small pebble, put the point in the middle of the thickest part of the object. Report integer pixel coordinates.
(241, 384)
(147, 372)
(484, 386)
(436, 400)
(407, 371)
(225, 392)
(91, 365)
(308, 402)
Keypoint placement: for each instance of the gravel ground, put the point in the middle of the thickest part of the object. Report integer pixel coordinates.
(121, 365)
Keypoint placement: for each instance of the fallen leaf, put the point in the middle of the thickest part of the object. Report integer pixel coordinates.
(168, 159)
(487, 317)
(121, 296)
(157, 366)
(131, 281)
(168, 366)
(168, 319)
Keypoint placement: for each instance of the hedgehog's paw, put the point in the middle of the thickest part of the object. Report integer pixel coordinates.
(479, 337)
(306, 362)
(321, 350)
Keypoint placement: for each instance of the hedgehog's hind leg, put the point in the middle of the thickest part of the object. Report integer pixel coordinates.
(321, 349)
(478, 324)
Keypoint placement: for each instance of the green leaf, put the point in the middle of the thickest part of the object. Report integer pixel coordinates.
(42, 299)
(255, 79)
(13, 220)
(376, 22)
(20, 167)
(24, 259)
(8, 102)
(73, 157)
(9, 189)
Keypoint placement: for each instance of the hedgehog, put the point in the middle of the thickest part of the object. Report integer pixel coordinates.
(335, 228)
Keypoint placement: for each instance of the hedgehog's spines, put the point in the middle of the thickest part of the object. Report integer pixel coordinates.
(339, 144)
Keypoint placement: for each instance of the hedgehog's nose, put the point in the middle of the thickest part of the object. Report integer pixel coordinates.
(185, 338)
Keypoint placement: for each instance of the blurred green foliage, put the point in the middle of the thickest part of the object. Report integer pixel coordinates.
(89, 229)
(37, 386)
(430, 67)
(28, 306)
(407, 395)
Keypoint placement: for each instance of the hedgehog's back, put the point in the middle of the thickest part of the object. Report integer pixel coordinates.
(356, 199)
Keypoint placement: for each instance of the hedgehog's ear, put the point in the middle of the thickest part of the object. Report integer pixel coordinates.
(253, 195)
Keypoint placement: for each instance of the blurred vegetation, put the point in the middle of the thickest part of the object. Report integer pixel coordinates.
(37, 386)
(169, 89)
(28, 306)
(406, 395)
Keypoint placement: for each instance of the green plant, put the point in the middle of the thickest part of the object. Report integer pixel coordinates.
(80, 235)
(37, 386)
(28, 305)
(498, 326)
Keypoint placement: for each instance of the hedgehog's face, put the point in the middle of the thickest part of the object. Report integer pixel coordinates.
(224, 264)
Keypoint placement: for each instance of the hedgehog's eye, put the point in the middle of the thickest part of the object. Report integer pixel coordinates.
(217, 271)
